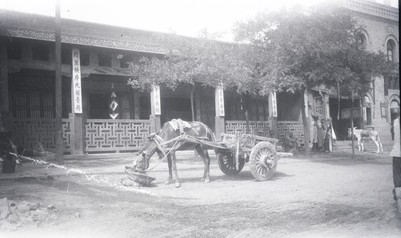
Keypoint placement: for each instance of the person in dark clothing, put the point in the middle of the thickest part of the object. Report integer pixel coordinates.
(396, 154)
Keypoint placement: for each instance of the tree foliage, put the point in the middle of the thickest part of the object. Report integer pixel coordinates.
(287, 50)
(299, 49)
(190, 60)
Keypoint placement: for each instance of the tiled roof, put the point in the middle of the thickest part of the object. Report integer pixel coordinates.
(31, 26)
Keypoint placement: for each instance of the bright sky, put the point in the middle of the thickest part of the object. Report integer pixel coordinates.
(183, 17)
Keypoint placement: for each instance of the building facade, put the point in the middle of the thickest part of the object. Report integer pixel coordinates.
(100, 112)
(379, 31)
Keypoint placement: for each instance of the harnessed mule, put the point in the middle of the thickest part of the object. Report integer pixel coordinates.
(372, 134)
(170, 139)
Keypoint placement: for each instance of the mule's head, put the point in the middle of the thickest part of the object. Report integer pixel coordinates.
(141, 162)
(350, 132)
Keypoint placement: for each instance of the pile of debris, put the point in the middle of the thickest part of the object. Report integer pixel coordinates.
(16, 215)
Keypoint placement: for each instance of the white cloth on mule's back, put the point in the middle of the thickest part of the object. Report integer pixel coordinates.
(178, 124)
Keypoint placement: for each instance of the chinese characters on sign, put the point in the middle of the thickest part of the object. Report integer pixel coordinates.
(274, 103)
(220, 98)
(156, 99)
(76, 82)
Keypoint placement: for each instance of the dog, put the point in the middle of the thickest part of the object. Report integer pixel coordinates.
(372, 134)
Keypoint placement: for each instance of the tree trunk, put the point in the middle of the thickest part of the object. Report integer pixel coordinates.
(58, 87)
(305, 123)
(192, 103)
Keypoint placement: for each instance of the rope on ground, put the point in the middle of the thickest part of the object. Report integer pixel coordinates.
(89, 177)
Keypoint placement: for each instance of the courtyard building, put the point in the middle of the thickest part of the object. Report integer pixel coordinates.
(101, 113)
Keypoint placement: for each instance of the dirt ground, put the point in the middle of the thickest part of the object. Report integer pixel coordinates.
(325, 195)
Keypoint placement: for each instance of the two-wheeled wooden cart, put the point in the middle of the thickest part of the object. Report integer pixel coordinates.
(233, 151)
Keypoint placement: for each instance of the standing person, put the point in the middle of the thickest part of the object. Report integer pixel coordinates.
(314, 135)
(328, 138)
(321, 132)
(395, 153)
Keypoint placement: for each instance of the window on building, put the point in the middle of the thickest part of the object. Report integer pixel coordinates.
(34, 105)
(27, 104)
(14, 49)
(104, 60)
(40, 51)
(362, 40)
(390, 50)
(19, 105)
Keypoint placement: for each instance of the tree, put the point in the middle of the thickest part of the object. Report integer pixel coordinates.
(287, 51)
(298, 50)
(189, 61)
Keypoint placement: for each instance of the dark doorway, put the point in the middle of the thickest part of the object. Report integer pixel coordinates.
(341, 126)
(369, 116)
(174, 108)
(99, 106)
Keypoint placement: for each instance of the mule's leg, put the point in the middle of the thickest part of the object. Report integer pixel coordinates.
(170, 173)
(206, 161)
(380, 143)
(376, 143)
(362, 147)
(173, 160)
(358, 142)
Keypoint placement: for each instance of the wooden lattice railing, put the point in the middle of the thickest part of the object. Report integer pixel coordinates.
(28, 131)
(260, 128)
(295, 127)
(100, 134)
(115, 135)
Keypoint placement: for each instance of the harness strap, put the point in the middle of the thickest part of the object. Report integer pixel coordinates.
(157, 140)
(160, 143)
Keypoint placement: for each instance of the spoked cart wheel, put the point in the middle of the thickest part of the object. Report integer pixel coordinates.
(227, 164)
(263, 161)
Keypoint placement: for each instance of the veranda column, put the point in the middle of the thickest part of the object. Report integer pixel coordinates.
(220, 113)
(198, 105)
(4, 103)
(155, 107)
(76, 104)
(273, 123)
(326, 104)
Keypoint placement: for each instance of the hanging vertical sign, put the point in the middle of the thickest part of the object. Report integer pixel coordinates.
(220, 98)
(76, 82)
(156, 99)
(113, 104)
(306, 103)
(274, 104)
